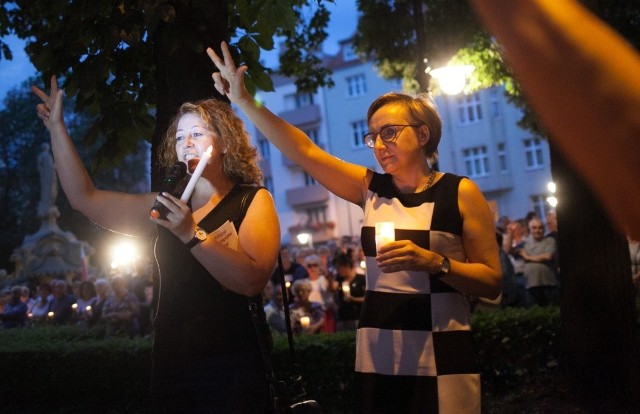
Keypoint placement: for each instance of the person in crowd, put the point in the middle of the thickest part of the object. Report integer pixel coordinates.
(514, 239)
(121, 310)
(350, 292)
(103, 291)
(322, 291)
(307, 317)
(274, 310)
(511, 289)
(26, 298)
(206, 354)
(85, 303)
(41, 307)
(576, 71)
(445, 248)
(61, 305)
(538, 253)
(14, 314)
(289, 268)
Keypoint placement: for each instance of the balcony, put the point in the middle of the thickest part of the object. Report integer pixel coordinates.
(305, 115)
(320, 232)
(301, 196)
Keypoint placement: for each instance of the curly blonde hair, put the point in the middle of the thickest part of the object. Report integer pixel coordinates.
(240, 162)
(422, 110)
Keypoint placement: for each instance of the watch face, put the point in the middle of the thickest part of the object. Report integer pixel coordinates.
(201, 234)
(445, 265)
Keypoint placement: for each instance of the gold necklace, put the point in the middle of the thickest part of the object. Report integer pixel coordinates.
(432, 176)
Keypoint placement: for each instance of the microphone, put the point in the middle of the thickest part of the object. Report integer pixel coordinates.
(174, 183)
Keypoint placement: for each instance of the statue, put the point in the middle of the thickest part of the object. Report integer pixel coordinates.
(47, 209)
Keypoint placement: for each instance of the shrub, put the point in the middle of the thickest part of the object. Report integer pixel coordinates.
(70, 370)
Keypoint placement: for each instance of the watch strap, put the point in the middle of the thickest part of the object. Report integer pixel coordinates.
(192, 242)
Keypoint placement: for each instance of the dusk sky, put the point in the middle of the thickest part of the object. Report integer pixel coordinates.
(13, 72)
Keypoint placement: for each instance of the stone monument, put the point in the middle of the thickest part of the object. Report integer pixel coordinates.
(50, 252)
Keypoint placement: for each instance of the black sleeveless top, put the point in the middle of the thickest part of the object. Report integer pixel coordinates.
(197, 318)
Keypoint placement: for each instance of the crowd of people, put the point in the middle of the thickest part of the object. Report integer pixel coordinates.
(324, 287)
(120, 305)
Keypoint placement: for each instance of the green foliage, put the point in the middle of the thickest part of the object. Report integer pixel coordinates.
(64, 366)
(414, 31)
(110, 54)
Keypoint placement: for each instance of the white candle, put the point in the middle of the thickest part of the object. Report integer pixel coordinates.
(305, 321)
(196, 174)
(385, 233)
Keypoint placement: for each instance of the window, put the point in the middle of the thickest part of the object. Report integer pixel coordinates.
(476, 161)
(503, 166)
(268, 183)
(356, 86)
(316, 215)
(264, 148)
(469, 108)
(494, 102)
(533, 153)
(540, 205)
(308, 180)
(348, 52)
(358, 130)
(297, 100)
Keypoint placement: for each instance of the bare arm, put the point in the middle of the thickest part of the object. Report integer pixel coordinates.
(246, 270)
(481, 274)
(126, 213)
(581, 78)
(348, 181)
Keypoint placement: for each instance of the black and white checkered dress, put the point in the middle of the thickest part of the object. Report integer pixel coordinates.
(414, 344)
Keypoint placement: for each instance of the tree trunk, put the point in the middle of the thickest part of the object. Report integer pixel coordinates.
(600, 348)
(183, 67)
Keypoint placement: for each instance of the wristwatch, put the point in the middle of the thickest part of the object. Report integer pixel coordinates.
(445, 265)
(199, 236)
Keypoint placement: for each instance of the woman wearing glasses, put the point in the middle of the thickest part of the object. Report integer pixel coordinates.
(414, 346)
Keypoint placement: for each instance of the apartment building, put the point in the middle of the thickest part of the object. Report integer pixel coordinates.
(480, 140)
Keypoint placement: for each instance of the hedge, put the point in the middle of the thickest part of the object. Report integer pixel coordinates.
(66, 370)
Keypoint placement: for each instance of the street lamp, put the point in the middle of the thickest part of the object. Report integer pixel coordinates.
(451, 78)
(305, 238)
(123, 255)
(552, 199)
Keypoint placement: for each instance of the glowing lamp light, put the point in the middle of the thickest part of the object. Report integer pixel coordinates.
(553, 201)
(452, 78)
(123, 254)
(304, 238)
(551, 186)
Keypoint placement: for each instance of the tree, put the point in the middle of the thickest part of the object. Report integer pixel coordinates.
(600, 344)
(131, 63)
(22, 134)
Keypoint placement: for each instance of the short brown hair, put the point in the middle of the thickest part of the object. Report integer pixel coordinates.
(422, 110)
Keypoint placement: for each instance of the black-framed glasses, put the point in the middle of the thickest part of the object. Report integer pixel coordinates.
(387, 133)
(313, 265)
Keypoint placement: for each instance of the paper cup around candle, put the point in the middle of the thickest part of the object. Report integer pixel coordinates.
(385, 233)
(305, 321)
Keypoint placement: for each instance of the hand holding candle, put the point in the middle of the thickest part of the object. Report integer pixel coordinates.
(385, 233)
(196, 174)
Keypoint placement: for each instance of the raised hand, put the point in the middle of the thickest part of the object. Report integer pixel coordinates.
(50, 110)
(229, 80)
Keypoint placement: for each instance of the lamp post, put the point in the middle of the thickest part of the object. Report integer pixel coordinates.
(451, 78)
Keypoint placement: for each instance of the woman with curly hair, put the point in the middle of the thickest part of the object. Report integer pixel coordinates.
(206, 355)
